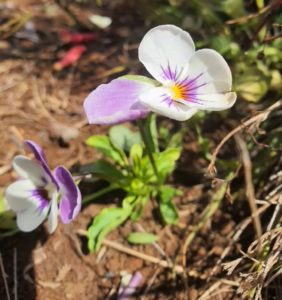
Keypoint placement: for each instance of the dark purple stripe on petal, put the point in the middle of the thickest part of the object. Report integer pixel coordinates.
(167, 99)
(70, 203)
(39, 155)
(170, 74)
(190, 82)
(189, 88)
(40, 195)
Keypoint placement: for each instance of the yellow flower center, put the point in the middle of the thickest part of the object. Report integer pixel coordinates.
(177, 92)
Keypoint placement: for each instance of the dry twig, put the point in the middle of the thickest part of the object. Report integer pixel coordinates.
(237, 233)
(260, 117)
(250, 191)
(149, 258)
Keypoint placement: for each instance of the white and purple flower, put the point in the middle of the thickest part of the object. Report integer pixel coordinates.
(39, 192)
(188, 81)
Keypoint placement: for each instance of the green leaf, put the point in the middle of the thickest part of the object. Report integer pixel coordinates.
(226, 46)
(123, 138)
(164, 134)
(139, 207)
(175, 140)
(141, 238)
(2, 204)
(166, 160)
(253, 91)
(233, 8)
(103, 144)
(7, 217)
(170, 140)
(137, 212)
(129, 202)
(7, 220)
(260, 4)
(151, 133)
(167, 193)
(136, 152)
(135, 155)
(168, 210)
(106, 221)
(104, 170)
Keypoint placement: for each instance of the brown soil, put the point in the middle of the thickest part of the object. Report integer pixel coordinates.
(59, 267)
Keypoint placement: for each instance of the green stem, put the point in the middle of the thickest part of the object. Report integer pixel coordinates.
(98, 194)
(148, 148)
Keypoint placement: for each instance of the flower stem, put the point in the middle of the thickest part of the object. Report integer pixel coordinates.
(98, 194)
(146, 141)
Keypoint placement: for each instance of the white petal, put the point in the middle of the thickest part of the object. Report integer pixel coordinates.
(29, 169)
(158, 100)
(163, 46)
(53, 215)
(212, 101)
(213, 72)
(18, 194)
(31, 218)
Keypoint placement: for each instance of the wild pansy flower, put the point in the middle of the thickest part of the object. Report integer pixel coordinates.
(39, 191)
(188, 81)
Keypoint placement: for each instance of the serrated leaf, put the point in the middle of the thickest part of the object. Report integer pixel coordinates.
(141, 238)
(166, 161)
(123, 138)
(103, 144)
(106, 221)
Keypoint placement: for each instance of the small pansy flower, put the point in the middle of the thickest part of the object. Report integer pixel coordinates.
(188, 81)
(40, 193)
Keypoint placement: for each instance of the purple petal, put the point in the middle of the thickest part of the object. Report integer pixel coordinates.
(116, 102)
(70, 195)
(131, 288)
(39, 155)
